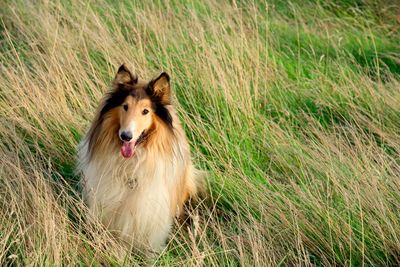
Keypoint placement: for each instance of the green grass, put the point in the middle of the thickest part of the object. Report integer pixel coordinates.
(293, 109)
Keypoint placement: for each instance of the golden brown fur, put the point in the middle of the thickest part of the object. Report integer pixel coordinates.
(137, 195)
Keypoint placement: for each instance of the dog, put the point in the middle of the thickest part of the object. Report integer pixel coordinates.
(135, 162)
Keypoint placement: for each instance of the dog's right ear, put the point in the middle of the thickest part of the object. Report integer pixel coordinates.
(124, 76)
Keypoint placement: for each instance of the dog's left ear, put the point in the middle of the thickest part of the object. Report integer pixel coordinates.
(160, 89)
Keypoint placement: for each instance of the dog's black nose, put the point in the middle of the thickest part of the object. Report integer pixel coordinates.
(126, 136)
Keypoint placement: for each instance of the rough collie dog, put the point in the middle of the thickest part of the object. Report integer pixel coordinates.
(135, 160)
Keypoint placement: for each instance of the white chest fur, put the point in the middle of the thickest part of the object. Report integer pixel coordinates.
(133, 197)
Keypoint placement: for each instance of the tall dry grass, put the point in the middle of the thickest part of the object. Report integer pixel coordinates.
(292, 108)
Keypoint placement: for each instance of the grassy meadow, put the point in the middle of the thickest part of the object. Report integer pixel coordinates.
(292, 108)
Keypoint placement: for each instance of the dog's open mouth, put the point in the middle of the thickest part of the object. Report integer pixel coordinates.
(128, 149)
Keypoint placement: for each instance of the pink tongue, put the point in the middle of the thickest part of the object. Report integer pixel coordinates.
(127, 149)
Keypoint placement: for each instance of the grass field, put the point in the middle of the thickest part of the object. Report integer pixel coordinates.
(293, 109)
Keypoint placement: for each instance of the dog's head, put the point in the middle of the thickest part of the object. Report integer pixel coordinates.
(134, 107)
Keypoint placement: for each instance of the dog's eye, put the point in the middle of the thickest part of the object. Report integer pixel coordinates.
(145, 111)
(125, 107)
